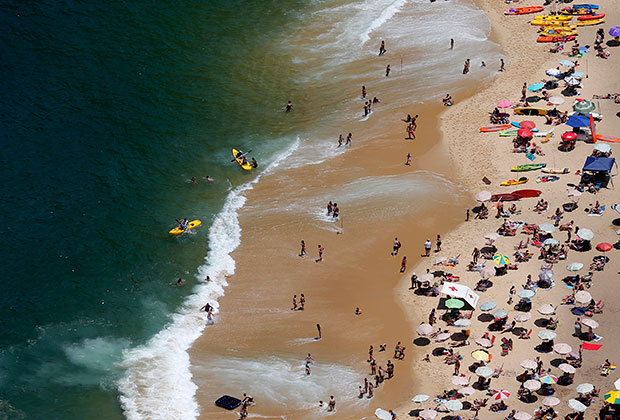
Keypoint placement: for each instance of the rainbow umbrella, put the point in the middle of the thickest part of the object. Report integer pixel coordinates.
(612, 397)
(501, 259)
(548, 379)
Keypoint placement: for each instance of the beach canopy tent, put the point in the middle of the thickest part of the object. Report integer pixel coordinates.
(461, 291)
(598, 170)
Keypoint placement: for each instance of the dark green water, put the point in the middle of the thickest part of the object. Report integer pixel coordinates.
(108, 108)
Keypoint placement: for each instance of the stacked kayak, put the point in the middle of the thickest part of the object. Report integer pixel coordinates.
(528, 167)
(524, 10)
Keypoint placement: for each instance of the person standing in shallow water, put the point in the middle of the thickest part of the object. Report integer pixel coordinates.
(382, 49)
(289, 106)
(387, 70)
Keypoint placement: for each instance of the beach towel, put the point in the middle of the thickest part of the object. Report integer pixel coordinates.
(579, 311)
(600, 214)
(590, 346)
(530, 156)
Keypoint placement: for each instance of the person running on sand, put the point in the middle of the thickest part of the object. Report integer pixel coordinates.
(303, 249)
(408, 162)
(403, 264)
(387, 70)
(382, 49)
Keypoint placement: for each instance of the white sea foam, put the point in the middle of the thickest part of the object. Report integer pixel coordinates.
(158, 382)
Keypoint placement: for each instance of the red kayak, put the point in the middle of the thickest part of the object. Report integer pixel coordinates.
(527, 193)
(591, 17)
(524, 10)
(555, 38)
(505, 197)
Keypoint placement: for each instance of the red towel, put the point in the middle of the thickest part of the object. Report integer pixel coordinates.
(590, 346)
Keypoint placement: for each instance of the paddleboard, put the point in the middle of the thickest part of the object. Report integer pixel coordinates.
(609, 139)
(510, 182)
(191, 225)
(245, 166)
(530, 111)
(527, 193)
(556, 171)
(494, 128)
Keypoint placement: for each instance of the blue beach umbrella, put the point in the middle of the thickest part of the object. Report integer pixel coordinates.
(535, 87)
(525, 293)
(615, 31)
(578, 121)
(487, 306)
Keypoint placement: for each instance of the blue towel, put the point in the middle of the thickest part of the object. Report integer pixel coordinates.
(530, 156)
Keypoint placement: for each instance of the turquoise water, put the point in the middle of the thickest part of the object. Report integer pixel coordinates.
(108, 109)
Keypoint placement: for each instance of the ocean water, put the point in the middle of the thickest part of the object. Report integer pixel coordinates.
(108, 110)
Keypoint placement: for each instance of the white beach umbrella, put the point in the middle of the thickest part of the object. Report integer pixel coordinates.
(382, 414)
(585, 234)
(424, 329)
(566, 368)
(583, 297)
(602, 147)
(589, 322)
(442, 337)
(420, 398)
(550, 401)
(553, 72)
(427, 277)
(484, 342)
(521, 415)
(532, 385)
(573, 193)
(556, 100)
(585, 388)
(550, 241)
(546, 227)
(484, 371)
(487, 306)
(492, 236)
(522, 317)
(487, 272)
(529, 364)
(462, 322)
(453, 405)
(460, 380)
(562, 348)
(483, 196)
(574, 266)
(500, 313)
(547, 309)
(577, 405)
(546, 335)
(468, 390)
(427, 414)
(567, 63)
(440, 260)
(617, 384)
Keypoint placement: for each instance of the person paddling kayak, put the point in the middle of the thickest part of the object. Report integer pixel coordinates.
(183, 224)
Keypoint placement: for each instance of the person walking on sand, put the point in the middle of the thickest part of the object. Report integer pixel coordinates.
(577, 332)
(475, 254)
(414, 281)
(302, 302)
(427, 248)
(467, 215)
(457, 367)
(524, 92)
(387, 70)
(438, 243)
(303, 249)
(294, 308)
(318, 328)
(410, 132)
(403, 264)
(408, 162)
(451, 43)
(396, 246)
(431, 317)
(382, 49)
(321, 249)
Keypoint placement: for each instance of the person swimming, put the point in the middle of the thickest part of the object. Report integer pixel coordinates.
(289, 106)
(254, 163)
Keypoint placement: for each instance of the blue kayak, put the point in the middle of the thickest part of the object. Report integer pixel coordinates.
(585, 6)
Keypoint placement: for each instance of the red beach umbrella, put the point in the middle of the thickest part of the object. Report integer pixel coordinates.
(569, 135)
(527, 124)
(604, 246)
(525, 133)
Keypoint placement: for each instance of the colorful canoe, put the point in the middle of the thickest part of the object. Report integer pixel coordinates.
(528, 167)
(494, 128)
(524, 10)
(191, 225)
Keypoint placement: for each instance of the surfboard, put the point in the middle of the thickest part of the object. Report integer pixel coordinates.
(245, 166)
(191, 225)
(529, 110)
(494, 128)
(609, 139)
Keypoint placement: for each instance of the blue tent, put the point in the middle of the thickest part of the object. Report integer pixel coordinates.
(578, 121)
(600, 164)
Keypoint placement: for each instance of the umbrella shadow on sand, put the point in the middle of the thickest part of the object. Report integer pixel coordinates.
(533, 99)
(438, 351)
(613, 43)
(541, 322)
(421, 341)
(616, 222)
(485, 318)
(557, 361)
(415, 413)
(530, 399)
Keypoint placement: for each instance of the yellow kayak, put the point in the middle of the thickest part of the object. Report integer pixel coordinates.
(590, 22)
(239, 160)
(521, 180)
(554, 18)
(191, 225)
(558, 32)
(540, 22)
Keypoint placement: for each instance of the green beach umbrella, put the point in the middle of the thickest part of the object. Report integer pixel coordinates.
(584, 107)
(454, 303)
(613, 397)
(501, 259)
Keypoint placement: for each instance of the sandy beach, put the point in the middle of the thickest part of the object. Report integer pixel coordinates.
(262, 338)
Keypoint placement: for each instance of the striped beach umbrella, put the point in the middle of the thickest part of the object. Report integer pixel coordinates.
(502, 394)
(501, 259)
(547, 378)
(612, 397)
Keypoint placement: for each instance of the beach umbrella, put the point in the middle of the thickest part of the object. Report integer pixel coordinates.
(468, 390)
(547, 309)
(589, 322)
(602, 147)
(585, 234)
(487, 272)
(567, 63)
(546, 275)
(566, 368)
(617, 384)
(484, 342)
(612, 397)
(546, 335)
(573, 193)
(547, 378)
(424, 329)
(527, 294)
(569, 135)
(615, 31)
(546, 227)
(502, 394)
(604, 246)
(572, 81)
(528, 124)
(487, 306)
(578, 120)
(504, 104)
(462, 322)
(484, 371)
(453, 405)
(483, 196)
(427, 277)
(553, 72)
(577, 406)
(528, 364)
(556, 100)
(583, 297)
(522, 317)
(480, 355)
(550, 401)
(460, 380)
(501, 259)
(500, 313)
(562, 348)
(585, 388)
(525, 133)
(427, 414)
(535, 87)
(382, 414)
(616, 207)
(420, 398)
(574, 266)
(521, 415)
(532, 385)
(454, 304)
(550, 241)
(442, 337)
(584, 107)
(491, 235)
